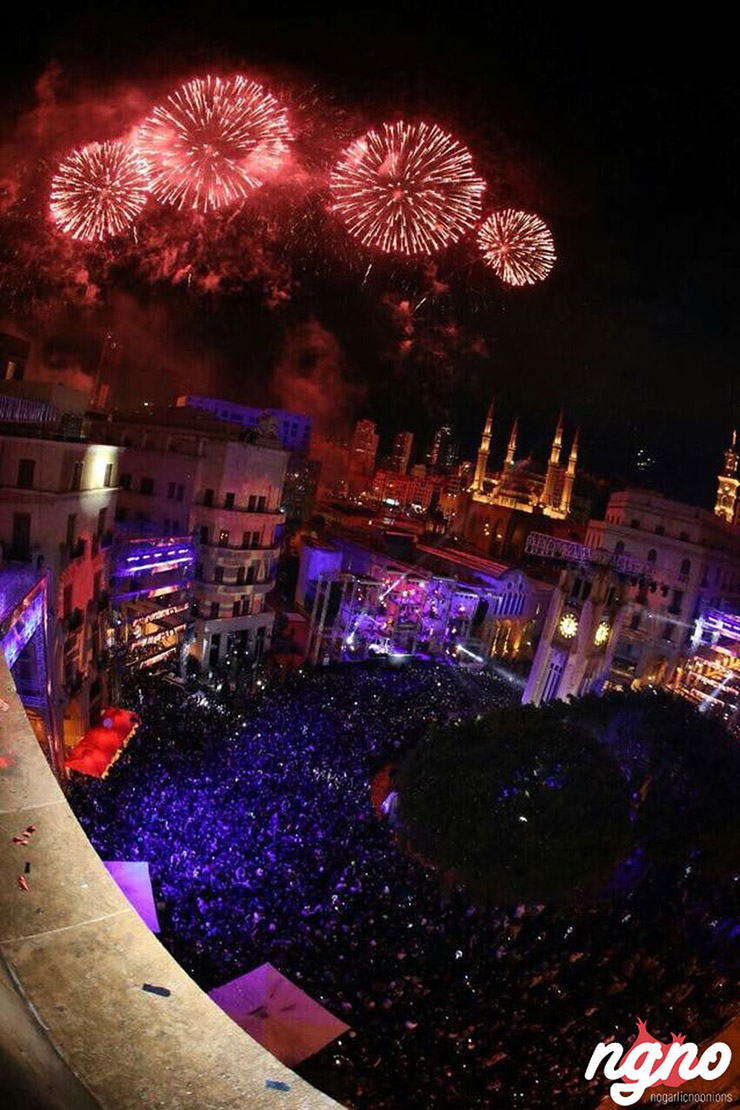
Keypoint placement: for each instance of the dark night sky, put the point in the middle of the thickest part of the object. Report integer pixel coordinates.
(621, 132)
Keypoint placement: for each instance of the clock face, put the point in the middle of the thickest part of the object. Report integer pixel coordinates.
(601, 634)
(568, 626)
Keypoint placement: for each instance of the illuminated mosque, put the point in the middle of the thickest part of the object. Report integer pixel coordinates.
(489, 511)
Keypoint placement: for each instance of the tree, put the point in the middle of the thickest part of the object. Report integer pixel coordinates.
(521, 804)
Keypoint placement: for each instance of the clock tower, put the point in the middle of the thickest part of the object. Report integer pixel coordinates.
(727, 483)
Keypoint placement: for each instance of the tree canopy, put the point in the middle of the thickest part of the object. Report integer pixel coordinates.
(541, 804)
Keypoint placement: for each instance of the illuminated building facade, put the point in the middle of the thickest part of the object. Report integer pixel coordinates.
(57, 505)
(725, 505)
(492, 511)
(185, 475)
(691, 560)
(401, 454)
(434, 602)
(578, 635)
(363, 448)
(710, 675)
(151, 597)
(293, 429)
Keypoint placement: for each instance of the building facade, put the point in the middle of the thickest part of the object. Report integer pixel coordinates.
(186, 476)
(57, 507)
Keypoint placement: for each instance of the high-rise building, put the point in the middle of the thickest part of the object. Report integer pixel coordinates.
(401, 454)
(364, 447)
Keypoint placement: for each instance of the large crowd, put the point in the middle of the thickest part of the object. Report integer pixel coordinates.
(257, 823)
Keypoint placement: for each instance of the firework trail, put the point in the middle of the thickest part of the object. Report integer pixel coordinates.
(213, 141)
(518, 246)
(98, 191)
(407, 189)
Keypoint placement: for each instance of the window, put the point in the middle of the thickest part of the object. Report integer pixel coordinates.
(246, 538)
(71, 528)
(250, 575)
(108, 476)
(255, 539)
(208, 497)
(229, 501)
(240, 576)
(659, 530)
(619, 547)
(198, 572)
(236, 610)
(685, 537)
(686, 568)
(261, 502)
(97, 583)
(214, 610)
(668, 631)
(180, 491)
(252, 503)
(101, 521)
(147, 486)
(676, 603)
(652, 555)
(635, 622)
(26, 468)
(246, 606)
(634, 523)
(218, 574)
(76, 476)
(223, 538)
(204, 533)
(124, 480)
(171, 487)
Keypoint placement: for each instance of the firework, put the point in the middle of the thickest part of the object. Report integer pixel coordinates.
(213, 141)
(98, 191)
(407, 189)
(518, 246)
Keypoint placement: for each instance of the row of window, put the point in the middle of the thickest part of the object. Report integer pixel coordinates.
(245, 576)
(256, 503)
(659, 529)
(245, 607)
(27, 474)
(250, 540)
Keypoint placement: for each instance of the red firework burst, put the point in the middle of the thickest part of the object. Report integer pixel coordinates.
(98, 191)
(213, 141)
(407, 189)
(518, 246)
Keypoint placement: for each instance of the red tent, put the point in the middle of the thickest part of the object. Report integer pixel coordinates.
(102, 744)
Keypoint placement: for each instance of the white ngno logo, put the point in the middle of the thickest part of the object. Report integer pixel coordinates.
(649, 1063)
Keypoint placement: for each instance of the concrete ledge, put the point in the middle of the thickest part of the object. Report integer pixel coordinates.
(77, 1029)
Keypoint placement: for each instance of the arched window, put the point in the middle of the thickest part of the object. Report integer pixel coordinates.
(652, 555)
(619, 547)
(686, 568)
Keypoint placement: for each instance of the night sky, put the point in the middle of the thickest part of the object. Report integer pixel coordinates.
(621, 133)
